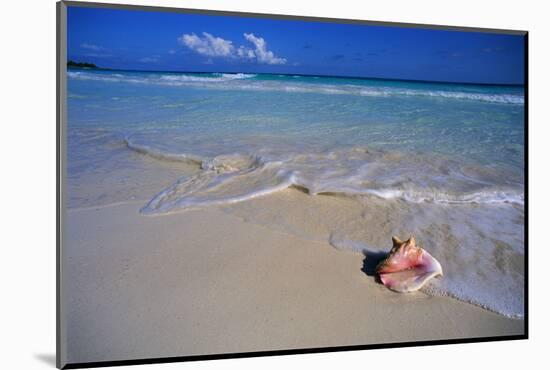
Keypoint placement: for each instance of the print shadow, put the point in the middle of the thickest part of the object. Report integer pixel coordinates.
(46, 358)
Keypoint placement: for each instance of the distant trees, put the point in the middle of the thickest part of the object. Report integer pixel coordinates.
(72, 63)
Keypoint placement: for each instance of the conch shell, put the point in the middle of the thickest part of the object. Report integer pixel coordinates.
(407, 267)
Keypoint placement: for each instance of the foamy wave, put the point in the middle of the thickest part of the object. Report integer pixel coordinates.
(434, 290)
(168, 79)
(492, 98)
(224, 180)
(217, 77)
(382, 92)
(236, 76)
(241, 81)
(237, 177)
(481, 197)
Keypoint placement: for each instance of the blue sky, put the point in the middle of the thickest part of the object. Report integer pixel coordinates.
(143, 40)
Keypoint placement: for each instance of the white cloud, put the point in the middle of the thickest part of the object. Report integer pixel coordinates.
(208, 45)
(262, 54)
(91, 47)
(212, 46)
(244, 52)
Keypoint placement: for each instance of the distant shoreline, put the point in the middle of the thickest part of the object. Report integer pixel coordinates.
(72, 63)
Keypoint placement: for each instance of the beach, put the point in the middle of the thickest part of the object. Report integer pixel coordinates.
(222, 213)
(205, 282)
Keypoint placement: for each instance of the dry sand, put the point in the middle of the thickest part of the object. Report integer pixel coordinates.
(207, 282)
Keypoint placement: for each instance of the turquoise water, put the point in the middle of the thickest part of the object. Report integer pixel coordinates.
(448, 143)
(250, 135)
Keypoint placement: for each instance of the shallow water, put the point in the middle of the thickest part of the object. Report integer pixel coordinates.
(442, 161)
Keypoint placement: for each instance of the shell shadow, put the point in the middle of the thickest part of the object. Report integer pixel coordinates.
(371, 260)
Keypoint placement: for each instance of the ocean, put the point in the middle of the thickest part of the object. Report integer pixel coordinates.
(444, 162)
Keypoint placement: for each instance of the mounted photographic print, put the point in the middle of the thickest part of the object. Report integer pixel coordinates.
(234, 184)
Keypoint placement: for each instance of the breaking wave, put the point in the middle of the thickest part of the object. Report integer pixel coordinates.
(216, 77)
(242, 81)
(162, 79)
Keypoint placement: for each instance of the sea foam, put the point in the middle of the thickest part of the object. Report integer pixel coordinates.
(237, 177)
